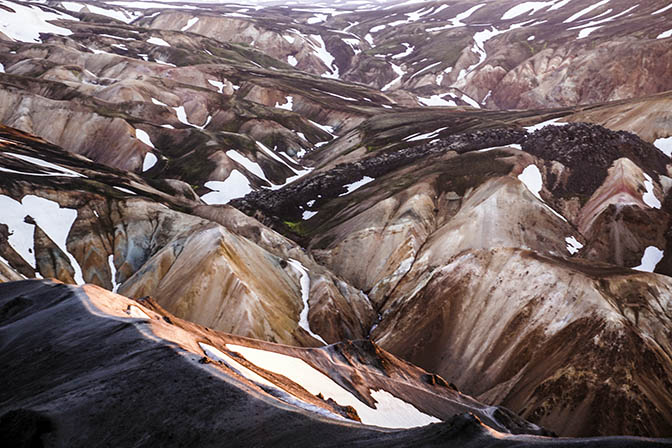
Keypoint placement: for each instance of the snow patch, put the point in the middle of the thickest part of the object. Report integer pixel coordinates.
(235, 186)
(529, 7)
(191, 22)
(305, 296)
(585, 11)
(407, 52)
(400, 74)
(287, 105)
(55, 221)
(249, 165)
(389, 411)
(217, 84)
(320, 50)
(662, 10)
(456, 21)
(60, 171)
(425, 136)
(437, 100)
(536, 127)
(531, 177)
(149, 162)
(651, 258)
(125, 190)
(664, 35)
(307, 215)
(586, 32)
(136, 312)
(144, 137)
(113, 273)
(357, 185)
(573, 245)
(317, 18)
(664, 144)
(27, 22)
(649, 196)
(158, 41)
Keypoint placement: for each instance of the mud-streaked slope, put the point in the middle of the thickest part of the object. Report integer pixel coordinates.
(68, 218)
(578, 348)
(529, 208)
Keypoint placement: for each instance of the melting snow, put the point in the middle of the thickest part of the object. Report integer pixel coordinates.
(390, 411)
(663, 9)
(249, 165)
(288, 105)
(457, 20)
(400, 74)
(305, 296)
(425, 136)
(182, 117)
(158, 41)
(407, 52)
(291, 60)
(55, 221)
(136, 312)
(191, 22)
(113, 273)
(437, 100)
(354, 44)
(320, 50)
(235, 186)
(586, 32)
(664, 35)
(531, 7)
(573, 245)
(28, 22)
(369, 39)
(125, 190)
(665, 145)
(357, 185)
(585, 11)
(217, 84)
(60, 171)
(234, 365)
(589, 27)
(652, 256)
(307, 215)
(649, 197)
(531, 177)
(324, 127)
(143, 137)
(149, 162)
(317, 18)
(536, 127)
(123, 16)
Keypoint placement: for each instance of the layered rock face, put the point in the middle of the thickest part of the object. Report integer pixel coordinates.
(128, 241)
(328, 219)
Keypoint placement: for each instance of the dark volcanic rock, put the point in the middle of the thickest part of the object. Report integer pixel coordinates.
(589, 150)
(284, 203)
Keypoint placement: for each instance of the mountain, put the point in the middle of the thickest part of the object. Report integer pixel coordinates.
(345, 218)
(205, 385)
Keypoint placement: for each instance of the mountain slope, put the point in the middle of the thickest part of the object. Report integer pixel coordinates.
(119, 336)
